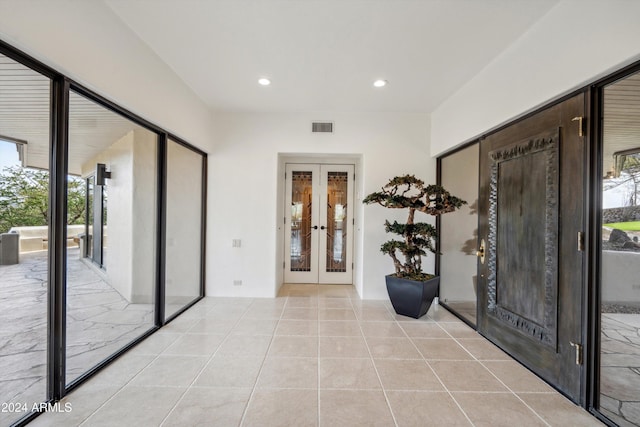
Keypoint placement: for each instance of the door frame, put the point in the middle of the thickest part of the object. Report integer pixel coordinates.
(358, 188)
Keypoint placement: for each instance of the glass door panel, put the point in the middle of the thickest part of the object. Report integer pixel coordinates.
(335, 240)
(24, 229)
(619, 397)
(108, 306)
(301, 262)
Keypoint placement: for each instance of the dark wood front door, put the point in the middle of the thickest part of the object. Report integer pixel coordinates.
(531, 211)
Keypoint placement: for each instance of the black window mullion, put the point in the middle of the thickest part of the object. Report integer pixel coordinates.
(57, 238)
(161, 232)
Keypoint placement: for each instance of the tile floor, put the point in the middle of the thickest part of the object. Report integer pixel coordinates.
(315, 356)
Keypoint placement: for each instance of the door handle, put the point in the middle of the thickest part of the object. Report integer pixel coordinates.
(323, 227)
(480, 252)
(315, 227)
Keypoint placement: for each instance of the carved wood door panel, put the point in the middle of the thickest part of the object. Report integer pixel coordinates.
(531, 211)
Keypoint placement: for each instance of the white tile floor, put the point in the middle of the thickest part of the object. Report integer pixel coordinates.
(316, 356)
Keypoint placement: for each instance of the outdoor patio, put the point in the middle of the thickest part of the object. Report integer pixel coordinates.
(99, 322)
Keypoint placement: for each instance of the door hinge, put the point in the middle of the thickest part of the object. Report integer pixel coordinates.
(283, 265)
(580, 241)
(578, 348)
(353, 221)
(285, 219)
(352, 266)
(580, 129)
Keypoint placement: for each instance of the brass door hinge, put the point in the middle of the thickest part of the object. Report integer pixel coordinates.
(580, 241)
(578, 348)
(580, 128)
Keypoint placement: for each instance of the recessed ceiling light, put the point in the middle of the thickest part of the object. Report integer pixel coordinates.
(380, 83)
(264, 81)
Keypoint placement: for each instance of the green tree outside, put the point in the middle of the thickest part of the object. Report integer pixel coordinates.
(24, 198)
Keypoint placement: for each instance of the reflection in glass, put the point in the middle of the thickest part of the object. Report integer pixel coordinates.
(108, 306)
(620, 258)
(459, 234)
(336, 221)
(24, 231)
(184, 227)
(301, 204)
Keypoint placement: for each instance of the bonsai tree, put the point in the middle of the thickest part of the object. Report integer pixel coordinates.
(409, 192)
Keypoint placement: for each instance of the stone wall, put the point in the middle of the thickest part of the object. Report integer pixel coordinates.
(628, 213)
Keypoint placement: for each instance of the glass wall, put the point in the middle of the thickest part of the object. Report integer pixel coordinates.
(459, 233)
(111, 233)
(620, 257)
(185, 234)
(24, 230)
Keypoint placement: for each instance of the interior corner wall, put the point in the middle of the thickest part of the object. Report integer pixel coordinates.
(244, 183)
(576, 42)
(87, 42)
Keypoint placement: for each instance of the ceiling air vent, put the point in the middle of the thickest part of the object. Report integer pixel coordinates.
(322, 127)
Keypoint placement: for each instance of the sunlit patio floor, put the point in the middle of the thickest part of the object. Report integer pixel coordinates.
(99, 322)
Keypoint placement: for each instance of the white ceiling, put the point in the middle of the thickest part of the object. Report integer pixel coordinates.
(323, 55)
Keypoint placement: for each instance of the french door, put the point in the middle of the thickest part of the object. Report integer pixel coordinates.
(319, 223)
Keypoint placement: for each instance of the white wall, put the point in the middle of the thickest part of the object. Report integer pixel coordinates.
(131, 216)
(574, 43)
(244, 183)
(86, 41)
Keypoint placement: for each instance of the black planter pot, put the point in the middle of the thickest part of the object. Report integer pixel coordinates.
(410, 297)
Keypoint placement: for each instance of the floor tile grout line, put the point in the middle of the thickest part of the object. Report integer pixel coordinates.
(255, 384)
(438, 377)
(156, 357)
(515, 394)
(197, 376)
(375, 368)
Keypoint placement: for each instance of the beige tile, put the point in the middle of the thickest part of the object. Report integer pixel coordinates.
(230, 372)
(155, 402)
(459, 330)
(220, 326)
(171, 371)
(423, 330)
(209, 407)
(266, 304)
(424, 409)
(122, 370)
(266, 313)
(195, 344)
(339, 328)
(517, 377)
(336, 314)
(466, 376)
(271, 407)
(505, 410)
(343, 347)
(244, 346)
(252, 326)
(223, 312)
(407, 375)
(156, 343)
(289, 372)
(335, 291)
(181, 324)
(392, 348)
(348, 374)
(294, 346)
(300, 313)
(297, 327)
(374, 314)
(84, 401)
(482, 349)
(354, 408)
(557, 410)
(302, 302)
(334, 303)
(441, 349)
(382, 329)
(441, 314)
